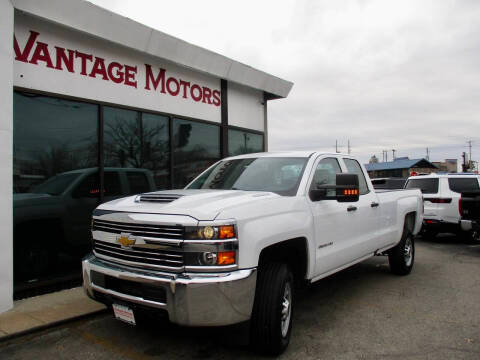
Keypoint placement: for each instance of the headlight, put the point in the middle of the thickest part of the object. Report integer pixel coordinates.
(213, 248)
(210, 232)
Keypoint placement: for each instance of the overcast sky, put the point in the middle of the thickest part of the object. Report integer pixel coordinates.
(385, 74)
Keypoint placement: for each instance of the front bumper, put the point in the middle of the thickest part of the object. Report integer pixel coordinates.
(191, 299)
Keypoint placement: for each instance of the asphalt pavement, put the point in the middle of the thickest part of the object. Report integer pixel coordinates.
(364, 312)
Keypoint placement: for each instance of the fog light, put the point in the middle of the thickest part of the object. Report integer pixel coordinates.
(209, 258)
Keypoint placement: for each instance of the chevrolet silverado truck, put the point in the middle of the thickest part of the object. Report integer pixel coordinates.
(235, 243)
(55, 215)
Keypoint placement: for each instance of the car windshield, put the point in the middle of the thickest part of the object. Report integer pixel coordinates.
(427, 186)
(55, 185)
(274, 174)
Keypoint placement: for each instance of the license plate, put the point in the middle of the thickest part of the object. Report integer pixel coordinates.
(124, 313)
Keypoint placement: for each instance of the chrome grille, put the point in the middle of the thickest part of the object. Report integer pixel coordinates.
(153, 256)
(143, 230)
(158, 197)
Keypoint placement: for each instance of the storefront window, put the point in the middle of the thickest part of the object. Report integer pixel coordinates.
(242, 142)
(55, 147)
(140, 141)
(196, 146)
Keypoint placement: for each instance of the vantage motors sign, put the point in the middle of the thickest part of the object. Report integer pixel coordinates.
(61, 61)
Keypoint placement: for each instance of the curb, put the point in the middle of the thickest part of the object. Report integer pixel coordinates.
(53, 324)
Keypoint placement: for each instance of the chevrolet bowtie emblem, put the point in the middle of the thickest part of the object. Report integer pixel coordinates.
(126, 240)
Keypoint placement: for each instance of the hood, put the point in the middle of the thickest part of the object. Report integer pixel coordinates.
(29, 199)
(199, 204)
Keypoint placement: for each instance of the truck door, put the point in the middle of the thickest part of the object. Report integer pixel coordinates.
(333, 231)
(84, 199)
(365, 214)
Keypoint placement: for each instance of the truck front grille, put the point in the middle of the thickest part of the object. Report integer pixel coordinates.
(144, 230)
(149, 256)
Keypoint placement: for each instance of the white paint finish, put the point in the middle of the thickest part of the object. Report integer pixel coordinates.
(101, 23)
(40, 77)
(266, 218)
(444, 212)
(245, 107)
(6, 149)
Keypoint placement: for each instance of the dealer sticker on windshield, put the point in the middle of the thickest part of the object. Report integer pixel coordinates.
(124, 313)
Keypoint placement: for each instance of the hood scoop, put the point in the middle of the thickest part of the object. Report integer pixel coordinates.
(157, 197)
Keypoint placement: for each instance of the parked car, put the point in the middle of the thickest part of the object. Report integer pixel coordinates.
(237, 241)
(470, 213)
(441, 195)
(389, 183)
(56, 214)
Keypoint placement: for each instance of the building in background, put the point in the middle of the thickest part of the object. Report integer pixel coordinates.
(105, 107)
(400, 167)
(449, 165)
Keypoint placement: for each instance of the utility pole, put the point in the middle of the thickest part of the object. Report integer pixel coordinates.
(336, 146)
(348, 146)
(428, 154)
(464, 165)
(393, 154)
(469, 142)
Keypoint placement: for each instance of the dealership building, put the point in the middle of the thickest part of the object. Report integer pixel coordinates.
(96, 106)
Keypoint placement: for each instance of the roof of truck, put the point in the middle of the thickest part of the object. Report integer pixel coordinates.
(300, 154)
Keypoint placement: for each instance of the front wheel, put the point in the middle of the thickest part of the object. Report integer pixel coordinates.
(402, 256)
(271, 322)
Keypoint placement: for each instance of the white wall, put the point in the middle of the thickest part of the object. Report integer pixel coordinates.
(245, 107)
(41, 76)
(6, 155)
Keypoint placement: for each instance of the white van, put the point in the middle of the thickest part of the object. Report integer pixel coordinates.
(441, 198)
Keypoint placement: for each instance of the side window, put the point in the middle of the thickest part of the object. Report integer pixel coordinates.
(138, 182)
(353, 167)
(325, 173)
(112, 184)
(88, 187)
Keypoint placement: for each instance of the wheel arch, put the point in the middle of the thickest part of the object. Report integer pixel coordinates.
(293, 252)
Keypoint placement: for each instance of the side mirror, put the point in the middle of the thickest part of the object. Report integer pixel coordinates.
(346, 189)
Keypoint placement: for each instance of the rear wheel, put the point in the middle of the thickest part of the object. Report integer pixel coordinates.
(271, 323)
(402, 256)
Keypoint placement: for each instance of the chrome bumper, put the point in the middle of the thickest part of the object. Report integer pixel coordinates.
(212, 299)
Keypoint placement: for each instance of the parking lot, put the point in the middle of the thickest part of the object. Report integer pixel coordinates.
(361, 313)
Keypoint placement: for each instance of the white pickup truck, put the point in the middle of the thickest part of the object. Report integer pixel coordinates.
(236, 242)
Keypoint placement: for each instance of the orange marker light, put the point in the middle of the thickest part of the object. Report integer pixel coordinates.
(350, 192)
(226, 232)
(226, 258)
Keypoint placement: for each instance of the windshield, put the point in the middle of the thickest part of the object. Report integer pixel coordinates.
(427, 186)
(55, 185)
(278, 175)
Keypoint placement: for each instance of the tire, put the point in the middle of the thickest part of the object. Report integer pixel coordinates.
(271, 323)
(402, 256)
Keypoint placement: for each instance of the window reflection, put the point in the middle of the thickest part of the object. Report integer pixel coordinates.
(135, 140)
(55, 146)
(196, 147)
(242, 142)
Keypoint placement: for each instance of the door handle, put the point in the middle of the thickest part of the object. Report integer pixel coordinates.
(351, 208)
(374, 204)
